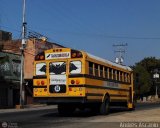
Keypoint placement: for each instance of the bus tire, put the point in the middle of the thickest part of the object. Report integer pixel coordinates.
(65, 109)
(105, 106)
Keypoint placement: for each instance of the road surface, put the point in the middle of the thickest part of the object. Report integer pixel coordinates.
(145, 115)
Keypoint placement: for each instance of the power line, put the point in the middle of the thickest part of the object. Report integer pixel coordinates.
(104, 35)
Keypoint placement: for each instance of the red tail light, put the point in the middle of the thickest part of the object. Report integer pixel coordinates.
(76, 54)
(42, 82)
(77, 81)
(70, 89)
(72, 82)
(38, 82)
(40, 56)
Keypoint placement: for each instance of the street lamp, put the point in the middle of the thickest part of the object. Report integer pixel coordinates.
(156, 76)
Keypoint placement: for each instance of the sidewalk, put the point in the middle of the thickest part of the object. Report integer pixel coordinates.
(28, 108)
(149, 101)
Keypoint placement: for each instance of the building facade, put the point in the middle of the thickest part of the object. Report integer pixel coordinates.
(10, 60)
(9, 79)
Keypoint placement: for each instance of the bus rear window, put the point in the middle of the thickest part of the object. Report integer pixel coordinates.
(57, 68)
(40, 68)
(75, 67)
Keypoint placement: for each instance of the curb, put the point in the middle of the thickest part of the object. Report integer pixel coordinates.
(28, 108)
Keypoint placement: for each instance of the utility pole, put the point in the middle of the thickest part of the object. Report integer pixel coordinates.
(120, 51)
(22, 91)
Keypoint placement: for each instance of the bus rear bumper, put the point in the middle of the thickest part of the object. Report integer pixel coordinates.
(56, 100)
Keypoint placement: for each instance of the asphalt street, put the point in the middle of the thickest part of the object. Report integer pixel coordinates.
(48, 117)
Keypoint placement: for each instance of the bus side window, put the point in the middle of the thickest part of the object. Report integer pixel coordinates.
(106, 72)
(101, 71)
(129, 78)
(114, 74)
(121, 76)
(118, 75)
(90, 68)
(96, 69)
(110, 73)
(125, 77)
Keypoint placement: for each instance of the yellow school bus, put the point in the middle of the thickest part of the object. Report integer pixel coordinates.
(76, 79)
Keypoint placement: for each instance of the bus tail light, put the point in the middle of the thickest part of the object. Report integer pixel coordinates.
(36, 90)
(57, 50)
(40, 56)
(79, 54)
(42, 82)
(70, 89)
(38, 82)
(76, 54)
(72, 82)
(77, 81)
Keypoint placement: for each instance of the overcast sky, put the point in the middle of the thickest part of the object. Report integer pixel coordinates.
(90, 25)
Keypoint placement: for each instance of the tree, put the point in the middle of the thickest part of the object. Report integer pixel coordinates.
(149, 63)
(143, 75)
(142, 80)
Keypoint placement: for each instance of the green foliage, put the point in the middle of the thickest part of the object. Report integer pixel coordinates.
(150, 63)
(143, 75)
(142, 80)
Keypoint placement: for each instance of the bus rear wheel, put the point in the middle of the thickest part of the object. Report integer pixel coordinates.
(105, 106)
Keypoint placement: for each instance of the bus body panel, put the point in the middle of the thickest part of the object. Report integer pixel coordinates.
(63, 78)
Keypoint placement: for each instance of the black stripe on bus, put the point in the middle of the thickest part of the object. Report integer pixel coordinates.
(40, 77)
(99, 94)
(103, 87)
(93, 94)
(97, 78)
(117, 95)
(98, 87)
(40, 86)
(79, 85)
(118, 100)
